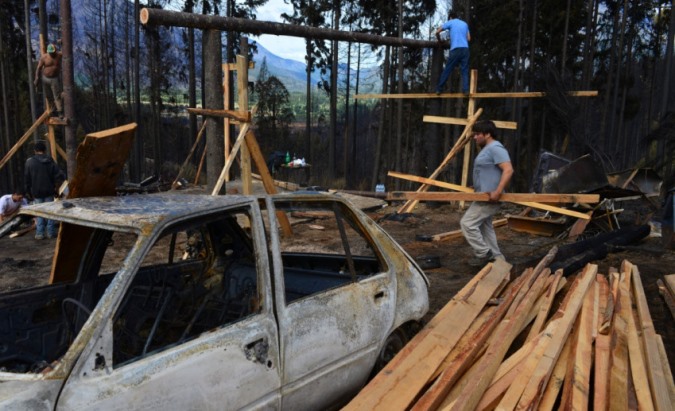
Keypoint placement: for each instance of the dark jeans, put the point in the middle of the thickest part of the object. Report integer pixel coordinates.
(457, 56)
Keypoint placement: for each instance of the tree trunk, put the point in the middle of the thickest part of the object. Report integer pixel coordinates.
(347, 143)
(332, 140)
(399, 105)
(5, 112)
(138, 154)
(212, 60)
(68, 86)
(199, 21)
(565, 34)
(355, 115)
(667, 98)
(29, 66)
(383, 112)
(308, 102)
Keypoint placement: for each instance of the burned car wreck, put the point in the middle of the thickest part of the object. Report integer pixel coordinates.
(200, 302)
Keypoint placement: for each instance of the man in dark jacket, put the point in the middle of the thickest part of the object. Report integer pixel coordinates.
(42, 177)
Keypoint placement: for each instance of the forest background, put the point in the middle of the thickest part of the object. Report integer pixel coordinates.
(128, 72)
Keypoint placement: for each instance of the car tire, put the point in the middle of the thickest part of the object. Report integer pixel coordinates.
(392, 345)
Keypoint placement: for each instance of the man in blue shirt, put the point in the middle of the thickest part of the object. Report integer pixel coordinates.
(459, 50)
(492, 172)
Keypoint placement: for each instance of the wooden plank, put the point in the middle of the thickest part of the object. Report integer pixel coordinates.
(603, 359)
(666, 368)
(470, 190)
(508, 125)
(228, 163)
(245, 156)
(637, 361)
(467, 148)
(100, 161)
(533, 391)
(510, 197)
(545, 306)
(227, 135)
(458, 233)
(516, 366)
(669, 280)
(465, 353)
(241, 116)
(522, 94)
(618, 375)
(667, 296)
(407, 375)
(462, 140)
(23, 138)
(555, 383)
(657, 381)
(577, 387)
(267, 180)
(500, 342)
(23, 231)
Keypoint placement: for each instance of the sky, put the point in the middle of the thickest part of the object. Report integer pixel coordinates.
(283, 46)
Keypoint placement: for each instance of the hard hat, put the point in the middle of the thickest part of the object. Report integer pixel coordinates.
(51, 48)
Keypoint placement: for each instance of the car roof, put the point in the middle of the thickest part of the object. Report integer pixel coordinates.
(133, 211)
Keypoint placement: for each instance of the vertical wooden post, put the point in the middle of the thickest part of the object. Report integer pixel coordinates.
(242, 89)
(467, 148)
(51, 136)
(226, 106)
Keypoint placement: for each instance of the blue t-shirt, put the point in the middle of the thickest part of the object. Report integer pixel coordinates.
(458, 30)
(486, 172)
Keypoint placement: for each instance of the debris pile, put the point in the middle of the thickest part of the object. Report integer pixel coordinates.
(536, 342)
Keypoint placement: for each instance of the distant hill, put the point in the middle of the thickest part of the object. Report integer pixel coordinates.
(292, 73)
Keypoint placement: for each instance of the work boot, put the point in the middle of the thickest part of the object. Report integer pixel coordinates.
(39, 237)
(481, 261)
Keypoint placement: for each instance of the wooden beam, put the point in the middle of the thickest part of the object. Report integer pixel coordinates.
(471, 108)
(189, 156)
(228, 163)
(458, 233)
(667, 296)
(23, 138)
(524, 94)
(462, 140)
(456, 187)
(257, 27)
(509, 125)
(506, 197)
(241, 116)
(267, 180)
(534, 390)
(283, 184)
(410, 370)
(100, 161)
(657, 381)
(242, 100)
(603, 359)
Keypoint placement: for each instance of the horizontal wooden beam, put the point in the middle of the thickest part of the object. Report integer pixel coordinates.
(233, 66)
(511, 125)
(256, 27)
(510, 197)
(463, 189)
(242, 116)
(523, 94)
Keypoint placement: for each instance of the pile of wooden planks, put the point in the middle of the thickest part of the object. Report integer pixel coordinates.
(527, 344)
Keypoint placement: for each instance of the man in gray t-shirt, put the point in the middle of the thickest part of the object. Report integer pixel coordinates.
(492, 172)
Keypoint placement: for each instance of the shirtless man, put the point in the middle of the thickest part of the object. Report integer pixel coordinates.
(50, 66)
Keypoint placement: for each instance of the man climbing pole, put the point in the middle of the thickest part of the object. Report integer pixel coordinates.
(50, 67)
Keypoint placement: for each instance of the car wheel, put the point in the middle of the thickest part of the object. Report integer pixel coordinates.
(393, 344)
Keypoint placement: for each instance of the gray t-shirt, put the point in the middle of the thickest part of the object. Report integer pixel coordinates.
(486, 172)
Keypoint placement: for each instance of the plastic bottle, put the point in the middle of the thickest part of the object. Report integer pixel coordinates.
(288, 157)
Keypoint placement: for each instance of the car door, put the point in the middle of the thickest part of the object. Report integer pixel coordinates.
(194, 332)
(333, 315)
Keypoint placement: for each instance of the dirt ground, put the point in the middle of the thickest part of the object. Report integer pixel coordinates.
(522, 250)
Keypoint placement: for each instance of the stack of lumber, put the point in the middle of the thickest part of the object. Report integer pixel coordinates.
(537, 342)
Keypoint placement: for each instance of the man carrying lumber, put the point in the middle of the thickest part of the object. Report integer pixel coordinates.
(10, 204)
(492, 172)
(50, 67)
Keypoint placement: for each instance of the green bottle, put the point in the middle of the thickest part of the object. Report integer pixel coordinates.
(288, 158)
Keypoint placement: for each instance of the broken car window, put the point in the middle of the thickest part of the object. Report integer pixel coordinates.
(327, 248)
(198, 276)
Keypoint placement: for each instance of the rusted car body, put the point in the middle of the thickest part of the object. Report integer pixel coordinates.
(201, 302)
